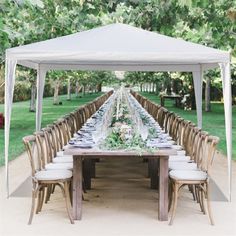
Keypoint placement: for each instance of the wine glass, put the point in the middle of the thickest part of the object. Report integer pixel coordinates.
(144, 133)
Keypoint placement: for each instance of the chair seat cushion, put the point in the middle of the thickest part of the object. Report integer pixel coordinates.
(59, 166)
(53, 174)
(176, 165)
(176, 147)
(188, 175)
(63, 159)
(181, 152)
(61, 154)
(179, 158)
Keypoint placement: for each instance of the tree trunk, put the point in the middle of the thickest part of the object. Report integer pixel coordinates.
(146, 87)
(192, 97)
(84, 90)
(33, 97)
(56, 93)
(90, 89)
(156, 92)
(99, 87)
(141, 87)
(77, 89)
(1, 84)
(153, 88)
(68, 90)
(208, 95)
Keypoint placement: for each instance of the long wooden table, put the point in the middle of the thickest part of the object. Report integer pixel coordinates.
(79, 155)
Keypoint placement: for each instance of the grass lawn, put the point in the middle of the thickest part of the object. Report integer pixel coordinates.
(23, 121)
(213, 122)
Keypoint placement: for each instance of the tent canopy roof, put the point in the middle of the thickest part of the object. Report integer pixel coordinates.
(115, 44)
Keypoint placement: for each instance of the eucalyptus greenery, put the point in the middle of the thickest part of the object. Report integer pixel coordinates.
(117, 139)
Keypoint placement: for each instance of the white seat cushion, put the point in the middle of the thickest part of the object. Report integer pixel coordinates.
(181, 152)
(63, 159)
(179, 158)
(59, 166)
(188, 175)
(177, 147)
(171, 142)
(53, 174)
(61, 154)
(175, 165)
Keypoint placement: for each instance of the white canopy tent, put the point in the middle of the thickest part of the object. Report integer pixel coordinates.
(118, 47)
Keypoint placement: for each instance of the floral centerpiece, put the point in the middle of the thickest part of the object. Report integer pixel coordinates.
(123, 133)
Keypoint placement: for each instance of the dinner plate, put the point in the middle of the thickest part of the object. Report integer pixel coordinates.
(83, 146)
(159, 145)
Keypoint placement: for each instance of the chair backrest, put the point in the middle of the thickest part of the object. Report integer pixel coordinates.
(173, 126)
(82, 114)
(63, 132)
(168, 121)
(185, 134)
(68, 127)
(208, 153)
(51, 143)
(199, 145)
(33, 153)
(161, 116)
(178, 131)
(43, 146)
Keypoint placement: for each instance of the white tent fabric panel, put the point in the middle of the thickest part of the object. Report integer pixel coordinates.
(197, 80)
(114, 44)
(227, 94)
(41, 73)
(10, 67)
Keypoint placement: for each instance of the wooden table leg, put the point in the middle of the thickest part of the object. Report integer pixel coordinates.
(153, 172)
(87, 168)
(77, 187)
(93, 168)
(163, 189)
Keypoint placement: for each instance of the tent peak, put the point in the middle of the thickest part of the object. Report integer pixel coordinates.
(114, 43)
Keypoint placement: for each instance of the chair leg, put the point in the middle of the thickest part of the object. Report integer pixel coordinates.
(170, 196)
(192, 190)
(34, 196)
(208, 204)
(71, 192)
(197, 195)
(175, 197)
(48, 193)
(39, 200)
(68, 202)
(42, 199)
(202, 200)
(201, 195)
(53, 188)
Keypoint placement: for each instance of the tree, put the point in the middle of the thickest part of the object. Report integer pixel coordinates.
(210, 23)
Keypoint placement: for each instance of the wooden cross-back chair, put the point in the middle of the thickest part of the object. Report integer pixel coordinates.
(63, 132)
(54, 138)
(199, 179)
(175, 128)
(82, 114)
(41, 178)
(161, 116)
(184, 141)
